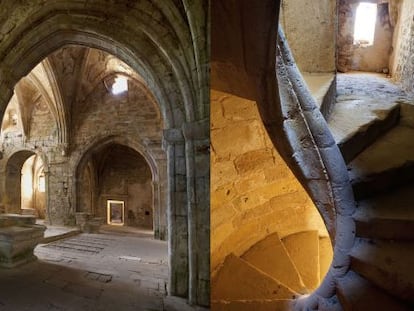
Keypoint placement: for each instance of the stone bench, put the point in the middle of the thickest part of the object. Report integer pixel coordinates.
(19, 235)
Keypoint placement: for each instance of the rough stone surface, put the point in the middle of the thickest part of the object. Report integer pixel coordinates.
(19, 235)
(351, 56)
(122, 270)
(252, 283)
(313, 42)
(402, 65)
(356, 293)
(271, 257)
(303, 249)
(253, 192)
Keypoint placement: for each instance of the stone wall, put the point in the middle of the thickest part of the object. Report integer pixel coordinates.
(310, 30)
(402, 60)
(253, 191)
(98, 115)
(125, 175)
(374, 58)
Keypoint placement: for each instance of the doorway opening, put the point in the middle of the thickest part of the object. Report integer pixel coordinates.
(33, 187)
(25, 185)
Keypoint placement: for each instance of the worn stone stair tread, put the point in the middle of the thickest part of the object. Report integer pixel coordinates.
(252, 305)
(387, 216)
(303, 249)
(396, 204)
(393, 150)
(370, 119)
(387, 163)
(387, 264)
(237, 279)
(357, 294)
(270, 256)
(380, 228)
(325, 255)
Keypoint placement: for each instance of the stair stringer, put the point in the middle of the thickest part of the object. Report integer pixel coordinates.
(306, 144)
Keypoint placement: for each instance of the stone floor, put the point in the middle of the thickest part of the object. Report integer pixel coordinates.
(115, 270)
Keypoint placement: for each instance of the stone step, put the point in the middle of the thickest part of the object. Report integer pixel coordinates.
(391, 229)
(387, 216)
(325, 255)
(60, 236)
(303, 249)
(250, 305)
(237, 280)
(386, 264)
(368, 123)
(357, 294)
(270, 256)
(385, 165)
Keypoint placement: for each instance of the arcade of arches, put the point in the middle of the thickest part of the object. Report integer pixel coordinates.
(71, 142)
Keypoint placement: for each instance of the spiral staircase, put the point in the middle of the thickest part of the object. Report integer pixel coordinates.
(272, 273)
(378, 147)
(373, 125)
(365, 200)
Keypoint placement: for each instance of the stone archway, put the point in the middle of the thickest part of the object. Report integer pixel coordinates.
(94, 159)
(167, 44)
(19, 196)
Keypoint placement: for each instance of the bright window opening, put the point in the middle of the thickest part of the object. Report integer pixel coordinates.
(120, 85)
(366, 18)
(42, 184)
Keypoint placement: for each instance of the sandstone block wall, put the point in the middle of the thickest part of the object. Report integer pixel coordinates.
(374, 58)
(310, 28)
(253, 192)
(402, 60)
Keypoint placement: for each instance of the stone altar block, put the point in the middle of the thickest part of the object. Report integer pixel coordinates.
(87, 223)
(19, 235)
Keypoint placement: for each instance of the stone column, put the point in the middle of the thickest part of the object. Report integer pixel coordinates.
(197, 142)
(59, 192)
(156, 209)
(160, 187)
(173, 144)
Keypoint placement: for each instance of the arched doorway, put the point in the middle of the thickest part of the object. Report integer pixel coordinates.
(25, 184)
(33, 187)
(116, 185)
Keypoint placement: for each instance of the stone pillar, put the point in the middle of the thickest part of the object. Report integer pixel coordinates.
(173, 144)
(160, 193)
(156, 209)
(60, 205)
(197, 141)
(163, 198)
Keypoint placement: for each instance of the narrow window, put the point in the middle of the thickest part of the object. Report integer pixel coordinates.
(42, 184)
(366, 18)
(120, 85)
